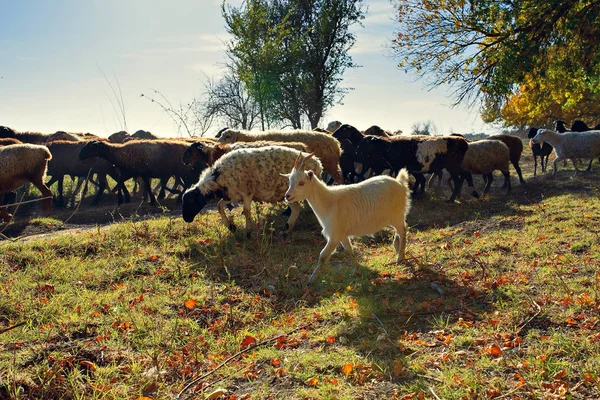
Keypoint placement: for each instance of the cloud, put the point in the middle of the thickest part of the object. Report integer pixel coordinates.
(181, 44)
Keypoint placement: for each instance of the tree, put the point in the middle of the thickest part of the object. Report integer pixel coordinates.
(229, 100)
(292, 54)
(486, 48)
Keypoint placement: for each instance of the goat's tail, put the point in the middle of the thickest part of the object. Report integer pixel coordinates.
(402, 177)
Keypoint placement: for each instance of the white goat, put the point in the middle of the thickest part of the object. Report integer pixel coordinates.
(352, 210)
(573, 146)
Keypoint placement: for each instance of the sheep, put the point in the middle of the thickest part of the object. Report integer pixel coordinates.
(333, 126)
(580, 126)
(21, 163)
(419, 154)
(9, 141)
(573, 146)
(560, 126)
(352, 210)
(24, 137)
(63, 136)
(65, 161)
(484, 157)
(349, 138)
(144, 135)
(246, 175)
(515, 147)
(540, 151)
(377, 131)
(142, 158)
(325, 147)
(201, 154)
(119, 137)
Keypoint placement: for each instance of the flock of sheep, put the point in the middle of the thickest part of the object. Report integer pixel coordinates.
(244, 166)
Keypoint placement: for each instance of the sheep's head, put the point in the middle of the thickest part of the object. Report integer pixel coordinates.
(91, 149)
(532, 132)
(540, 137)
(299, 180)
(227, 136)
(6, 132)
(560, 126)
(193, 203)
(194, 156)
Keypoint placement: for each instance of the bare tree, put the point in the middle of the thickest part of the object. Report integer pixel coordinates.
(229, 101)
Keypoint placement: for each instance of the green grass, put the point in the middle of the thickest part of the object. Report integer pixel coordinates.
(141, 308)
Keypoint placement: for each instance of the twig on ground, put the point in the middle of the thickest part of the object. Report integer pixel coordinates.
(380, 323)
(433, 393)
(432, 378)
(10, 328)
(524, 324)
(239, 353)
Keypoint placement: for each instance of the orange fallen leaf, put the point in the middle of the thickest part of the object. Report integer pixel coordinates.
(559, 375)
(311, 381)
(248, 340)
(493, 350)
(190, 304)
(398, 368)
(347, 369)
(330, 339)
(275, 362)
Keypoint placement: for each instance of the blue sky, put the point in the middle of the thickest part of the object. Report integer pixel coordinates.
(52, 53)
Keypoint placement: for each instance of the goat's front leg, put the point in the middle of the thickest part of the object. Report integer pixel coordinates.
(226, 221)
(323, 257)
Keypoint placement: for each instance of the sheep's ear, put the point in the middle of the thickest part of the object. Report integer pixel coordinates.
(199, 146)
(310, 175)
(286, 175)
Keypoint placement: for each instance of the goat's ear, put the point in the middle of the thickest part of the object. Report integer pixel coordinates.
(310, 175)
(308, 157)
(286, 175)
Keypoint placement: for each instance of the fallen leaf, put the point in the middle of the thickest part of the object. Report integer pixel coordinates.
(311, 381)
(190, 304)
(493, 350)
(347, 369)
(330, 339)
(216, 394)
(248, 340)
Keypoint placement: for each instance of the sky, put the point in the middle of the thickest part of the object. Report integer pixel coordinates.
(59, 56)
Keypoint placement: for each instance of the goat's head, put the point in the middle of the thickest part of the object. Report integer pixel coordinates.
(300, 180)
(193, 203)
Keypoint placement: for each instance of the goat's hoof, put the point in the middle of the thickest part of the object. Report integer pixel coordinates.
(475, 194)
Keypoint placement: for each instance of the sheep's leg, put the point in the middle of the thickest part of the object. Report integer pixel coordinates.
(226, 221)
(75, 191)
(38, 182)
(248, 214)
(518, 169)
(457, 187)
(589, 168)
(323, 257)
(102, 185)
(148, 188)
(555, 165)
(575, 162)
(507, 181)
(400, 240)
(295, 212)
(490, 178)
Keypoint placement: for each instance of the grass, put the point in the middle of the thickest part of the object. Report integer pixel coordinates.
(499, 299)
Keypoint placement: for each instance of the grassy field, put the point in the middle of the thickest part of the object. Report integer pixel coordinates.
(499, 298)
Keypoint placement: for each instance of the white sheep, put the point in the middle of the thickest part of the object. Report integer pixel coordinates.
(247, 175)
(352, 210)
(573, 146)
(325, 147)
(22, 163)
